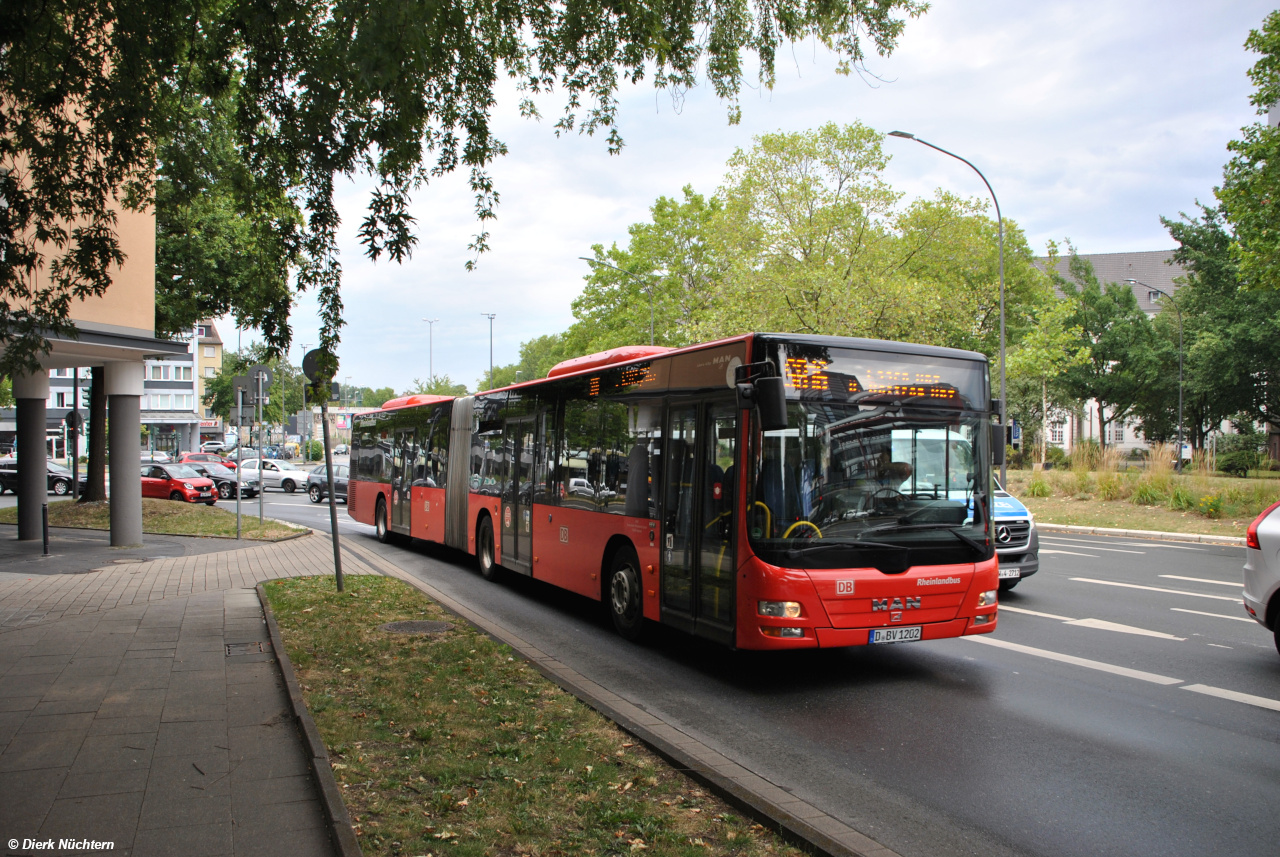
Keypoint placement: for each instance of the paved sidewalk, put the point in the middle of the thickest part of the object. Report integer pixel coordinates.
(141, 704)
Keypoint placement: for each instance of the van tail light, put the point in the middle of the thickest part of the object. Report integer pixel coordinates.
(1251, 534)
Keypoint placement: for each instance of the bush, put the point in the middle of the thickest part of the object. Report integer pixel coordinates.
(1038, 487)
(1210, 506)
(314, 451)
(1113, 487)
(1146, 495)
(1181, 500)
(1055, 456)
(1085, 455)
(1238, 463)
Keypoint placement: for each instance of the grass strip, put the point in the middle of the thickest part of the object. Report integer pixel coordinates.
(164, 517)
(447, 744)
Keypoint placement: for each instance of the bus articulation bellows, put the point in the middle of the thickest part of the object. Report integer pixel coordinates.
(770, 491)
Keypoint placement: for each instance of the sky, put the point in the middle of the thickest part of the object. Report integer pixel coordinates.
(1090, 119)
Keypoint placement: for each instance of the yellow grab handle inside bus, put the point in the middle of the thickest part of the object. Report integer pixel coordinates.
(768, 516)
(802, 524)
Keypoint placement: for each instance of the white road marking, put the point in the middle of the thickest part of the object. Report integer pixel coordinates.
(1068, 553)
(1100, 624)
(1156, 589)
(1236, 696)
(1103, 625)
(1093, 546)
(1006, 608)
(1234, 583)
(1128, 544)
(1218, 646)
(1215, 615)
(1153, 678)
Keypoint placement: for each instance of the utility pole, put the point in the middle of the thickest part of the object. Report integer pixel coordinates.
(491, 316)
(431, 363)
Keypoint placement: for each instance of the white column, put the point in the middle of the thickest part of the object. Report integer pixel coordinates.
(124, 383)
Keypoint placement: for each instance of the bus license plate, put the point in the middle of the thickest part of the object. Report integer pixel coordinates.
(1006, 573)
(895, 635)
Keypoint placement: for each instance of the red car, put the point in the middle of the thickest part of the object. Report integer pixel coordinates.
(206, 458)
(177, 482)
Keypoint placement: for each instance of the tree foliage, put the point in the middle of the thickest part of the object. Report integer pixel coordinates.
(401, 92)
(1251, 179)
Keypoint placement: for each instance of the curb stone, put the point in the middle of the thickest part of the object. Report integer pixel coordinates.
(1154, 535)
(752, 794)
(340, 827)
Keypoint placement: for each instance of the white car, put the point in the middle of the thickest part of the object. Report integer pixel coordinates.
(276, 473)
(1262, 570)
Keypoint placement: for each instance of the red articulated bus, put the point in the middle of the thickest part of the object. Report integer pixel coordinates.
(769, 491)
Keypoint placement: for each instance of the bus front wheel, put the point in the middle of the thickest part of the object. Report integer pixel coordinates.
(626, 607)
(484, 549)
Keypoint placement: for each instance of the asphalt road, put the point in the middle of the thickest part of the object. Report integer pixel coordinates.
(1125, 705)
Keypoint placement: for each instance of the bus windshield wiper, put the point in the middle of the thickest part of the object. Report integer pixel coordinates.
(825, 546)
(953, 529)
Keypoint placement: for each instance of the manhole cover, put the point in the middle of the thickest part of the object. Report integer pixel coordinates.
(234, 649)
(416, 627)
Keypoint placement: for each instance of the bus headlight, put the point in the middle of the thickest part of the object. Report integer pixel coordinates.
(780, 609)
(986, 599)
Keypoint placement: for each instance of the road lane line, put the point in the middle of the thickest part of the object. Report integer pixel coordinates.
(1153, 678)
(1234, 583)
(1069, 553)
(1202, 613)
(1099, 624)
(1006, 608)
(1156, 589)
(1057, 538)
(1234, 695)
(1091, 547)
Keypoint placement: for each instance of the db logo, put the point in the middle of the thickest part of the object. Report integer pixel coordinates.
(844, 587)
(506, 518)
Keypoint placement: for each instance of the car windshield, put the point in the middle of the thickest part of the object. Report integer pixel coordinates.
(869, 474)
(218, 470)
(55, 467)
(182, 471)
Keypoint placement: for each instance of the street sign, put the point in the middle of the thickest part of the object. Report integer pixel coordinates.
(263, 372)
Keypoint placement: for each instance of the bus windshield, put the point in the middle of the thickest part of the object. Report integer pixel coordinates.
(877, 475)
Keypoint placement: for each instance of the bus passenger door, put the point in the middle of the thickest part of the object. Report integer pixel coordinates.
(403, 457)
(697, 519)
(520, 436)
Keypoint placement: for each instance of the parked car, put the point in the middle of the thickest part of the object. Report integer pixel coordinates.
(1017, 540)
(226, 480)
(177, 482)
(1262, 570)
(213, 446)
(341, 449)
(156, 455)
(275, 474)
(318, 483)
(59, 477)
(204, 457)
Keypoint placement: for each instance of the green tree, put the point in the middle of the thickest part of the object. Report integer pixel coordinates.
(667, 276)
(1251, 179)
(1118, 336)
(285, 393)
(438, 385)
(401, 92)
(1231, 335)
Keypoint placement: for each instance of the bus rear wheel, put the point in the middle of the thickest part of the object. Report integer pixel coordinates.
(380, 522)
(626, 607)
(484, 550)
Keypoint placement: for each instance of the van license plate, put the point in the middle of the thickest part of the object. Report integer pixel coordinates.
(895, 635)
(1007, 573)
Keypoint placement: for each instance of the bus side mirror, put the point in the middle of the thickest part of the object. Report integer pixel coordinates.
(997, 445)
(768, 395)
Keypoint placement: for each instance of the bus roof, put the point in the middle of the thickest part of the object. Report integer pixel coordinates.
(413, 401)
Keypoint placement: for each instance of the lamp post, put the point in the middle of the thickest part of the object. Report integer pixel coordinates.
(1133, 282)
(1004, 406)
(491, 316)
(431, 362)
(648, 288)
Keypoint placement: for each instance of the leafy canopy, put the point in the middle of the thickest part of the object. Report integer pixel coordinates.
(326, 89)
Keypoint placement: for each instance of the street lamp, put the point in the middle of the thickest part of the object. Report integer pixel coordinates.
(491, 316)
(648, 288)
(1133, 282)
(431, 363)
(1004, 407)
